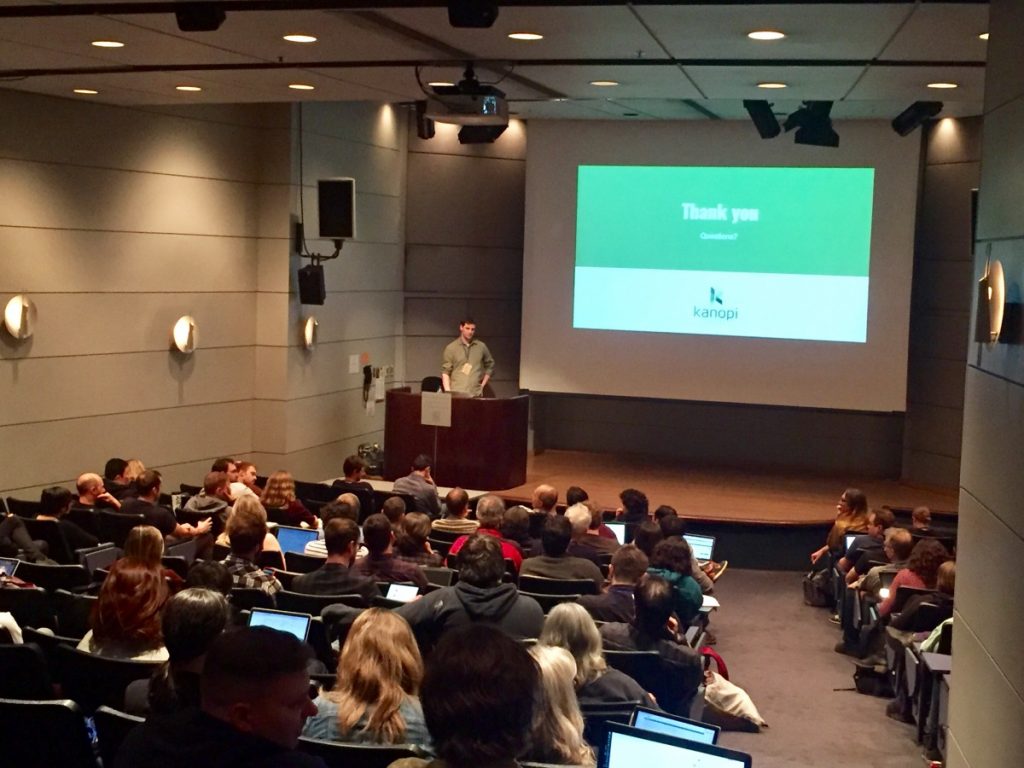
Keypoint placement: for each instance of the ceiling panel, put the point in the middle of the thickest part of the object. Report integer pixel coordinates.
(942, 33)
(911, 84)
(821, 83)
(634, 82)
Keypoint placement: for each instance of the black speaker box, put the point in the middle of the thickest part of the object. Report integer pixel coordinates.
(311, 284)
(337, 207)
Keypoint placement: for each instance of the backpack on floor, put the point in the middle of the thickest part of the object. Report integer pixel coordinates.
(872, 682)
(817, 590)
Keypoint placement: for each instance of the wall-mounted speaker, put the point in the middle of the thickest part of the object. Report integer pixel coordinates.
(337, 208)
(312, 289)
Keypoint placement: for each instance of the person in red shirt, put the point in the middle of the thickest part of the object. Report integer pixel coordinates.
(489, 511)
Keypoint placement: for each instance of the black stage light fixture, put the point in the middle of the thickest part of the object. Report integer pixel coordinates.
(199, 17)
(480, 134)
(813, 125)
(475, 14)
(760, 112)
(916, 114)
(424, 125)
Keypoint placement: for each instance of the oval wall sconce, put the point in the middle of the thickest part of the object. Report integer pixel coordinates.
(183, 334)
(991, 303)
(20, 317)
(309, 332)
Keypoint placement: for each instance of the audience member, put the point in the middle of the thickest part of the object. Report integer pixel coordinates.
(380, 563)
(545, 500)
(54, 504)
(228, 466)
(479, 596)
(394, 510)
(214, 499)
(555, 563)
(866, 547)
(673, 525)
(192, 620)
(921, 518)
(634, 507)
(575, 495)
(646, 536)
(336, 576)
(489, 512)
(557, 733)
(145, 545)
(628, 566)
(250, 505)
(456, 514)
(515, 527)
(672, 560)
(279, 495)
(354, 471)
(899, 543)
(92, 494)
(254, 700)
(341, 507)
(115, 481)
(15, 541)
(209, 574)
(569, 626)
(945, 584)
(161, 518)
(665, 511)
(420, 485)
(246, 482)
(374, 700)
(851, 515)
(133, 470)
(126, 616)
(411, 543)
(586, 539)
(597, 525)
(921, 570)
(246, 531)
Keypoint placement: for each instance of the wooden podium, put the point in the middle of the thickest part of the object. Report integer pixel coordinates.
(484, 448)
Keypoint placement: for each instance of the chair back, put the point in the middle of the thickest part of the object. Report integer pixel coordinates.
(903, 594)
(278, 515)
(92, 680)
(84, 518)
(73, 612)
(185, 549)
(23, 507)
(48, 644)
(300, 563)
(442, 577)
(191, 490)
(440, 546)
(176, 564)
(54, 577)
(285, 577)
(314, 604)
(269, 559)
(338, 755)
(545, 586)
(112, 727)
(102, 556)
(547, 602)
(114, 526)
(50, 532)
(315, 491)
(667, 680)
(245, 599)
(367, 498)
(23, 673)
(61, 735)
(596, 717)
(930, 615)
(30, 606)
(442, 535)
(220, 551)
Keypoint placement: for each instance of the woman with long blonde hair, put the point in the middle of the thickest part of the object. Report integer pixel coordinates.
(557, 735)
(145, 544)
(280, 495)
(375, 699)
(250, 505)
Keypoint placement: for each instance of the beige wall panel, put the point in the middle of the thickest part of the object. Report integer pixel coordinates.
(991, 464)
(936, 382)
(269, 433)
(510, 145)
(377, 170)
(940, 335)
(378, 221)
(317, 464)
(1004, 77)
(45, 195)
(455, 200)
(270, 378)
(440, 316)
(935, 430)
(84, 324)
(274, 326)
(325, 369)
(478, 270)
(955, 141)
(324, 419)
(274, 264)
(364, 123)
(954, 755)
(273, 217)
(365, 267)
(1002, 184)
(944, 217)
(275, 152)
(985, 712)
(56, 450)
(72, 387)
(53, 260)
(360, 315)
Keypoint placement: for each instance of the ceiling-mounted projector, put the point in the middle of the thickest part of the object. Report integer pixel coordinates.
(468, 103)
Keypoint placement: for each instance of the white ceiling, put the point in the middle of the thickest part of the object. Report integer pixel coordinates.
(672, 61)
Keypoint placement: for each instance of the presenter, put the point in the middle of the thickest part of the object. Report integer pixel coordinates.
(467, 364)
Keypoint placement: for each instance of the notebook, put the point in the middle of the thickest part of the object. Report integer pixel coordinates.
(619, 529)
(703, 546)
(673, 725)
(627, 747)
(402, 592)
(294, 539)
(296, 624)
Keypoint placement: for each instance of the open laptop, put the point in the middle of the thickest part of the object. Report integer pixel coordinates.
(619, 529)
(849, 540)
(627, 747)
(295, 539)
(703, 546)
(672, 725)
(296, 624)
(8, 565)
(403, 593)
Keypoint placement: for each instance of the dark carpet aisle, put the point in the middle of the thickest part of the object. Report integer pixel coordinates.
(781, 652)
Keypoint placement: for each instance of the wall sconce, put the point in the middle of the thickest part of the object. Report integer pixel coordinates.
(20, 317)
(991, 303)
(183, 335)
(309, 332)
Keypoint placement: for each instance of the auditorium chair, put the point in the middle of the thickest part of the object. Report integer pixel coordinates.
(300, 563)
(243, 598)
(270, 559)
(542, 585)
(547, 602)
(339, 755)
(285, 577)
(56, 545)
(114, 526)
(431, 384)
(597, 715)
(23, 507)
(176, 564)
(112, 728)
(30, 606)
(190, 490)
(92, 680)
(185, 549)
(315, 491)
(84, 518)
(442, 577)
(440, 546)
(44, 734)
(658, 676)
(23, 672)
(54, 577)
(314, 604)
(48, 643)
(73, 612)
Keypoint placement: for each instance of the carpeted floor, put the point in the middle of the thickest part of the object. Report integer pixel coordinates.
(781, 652)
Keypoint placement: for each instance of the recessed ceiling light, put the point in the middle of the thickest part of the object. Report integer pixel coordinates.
(983, 36)
(560, 98)
(300, 86)
(108, 43)
(440, 84)
(189, 88)
(604, 83)
(86, 91)
(526, 36)
(772, 85)
(300, 38)
(943, 85)
(766, 34)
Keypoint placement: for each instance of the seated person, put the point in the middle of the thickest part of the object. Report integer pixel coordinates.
(585, 541)
(603, 542)
(921, 519)
(646, 536)
(246, 484)
(92, 494)
(345, 506)
(555, 563)
(214, 499)
(868, 546)
(394, 510)
(144, 544)
(456, 514)
(280, 495)
(411, 543)
(354, 470)
(945, 582)
(250, 505)
(254, 700)
(628, 566)
(576, 495)
(114, 479)
(897, 548)
(557, 734)
(247, 528)
(54, 504)
(126, 618)
(381, 563)
(673, 561)
(374, 700)
(161, 518)
(851, 516)
(16, 542)
(209, 574)
(634, 507)
(921, 571)
(489, 512)
(420, 485)
(336, 576)
(515, 527)
(673, 525)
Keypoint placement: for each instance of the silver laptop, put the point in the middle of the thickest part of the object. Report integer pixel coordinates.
(703, 546)
(673, 725)
(627, 747)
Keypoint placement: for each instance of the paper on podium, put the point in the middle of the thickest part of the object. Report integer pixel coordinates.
(436, 409)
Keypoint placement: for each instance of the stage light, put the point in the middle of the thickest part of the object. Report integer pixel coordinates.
(20, 317)
(183, 335)
(915, 115)
(760, 112)
(199, 17)
(480, 134)
(813, 125)
(473, 14)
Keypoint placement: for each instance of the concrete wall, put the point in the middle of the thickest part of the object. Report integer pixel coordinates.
(987, 689)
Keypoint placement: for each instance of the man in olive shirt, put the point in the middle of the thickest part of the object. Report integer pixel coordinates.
(467, 365)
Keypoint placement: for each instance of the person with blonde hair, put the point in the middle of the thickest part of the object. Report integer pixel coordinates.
(132, 470)
(571, 627)
(375, 699)
(145, 544)
(250, 505)
(279, 495)
(557, 734)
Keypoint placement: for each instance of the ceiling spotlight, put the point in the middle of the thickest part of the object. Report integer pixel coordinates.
(199, 17)
(764, 119)
(472, 14)
(766, 34)
(526, 36)
(85, 91)
(604, 83)
(983, 36)
(300, 38)
(813, 125)
(189, 88)
(944, 86)
(772, 85)
(108, 43)
(916, 114)
(301, 87)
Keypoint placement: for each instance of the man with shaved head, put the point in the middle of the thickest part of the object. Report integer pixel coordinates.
(545, 499)
(92, 493)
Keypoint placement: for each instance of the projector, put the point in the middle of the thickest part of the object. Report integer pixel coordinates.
(468, 103)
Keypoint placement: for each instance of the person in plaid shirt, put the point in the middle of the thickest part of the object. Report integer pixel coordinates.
(246, 528)
(412, 545)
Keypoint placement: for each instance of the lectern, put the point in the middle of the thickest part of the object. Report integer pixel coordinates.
(484, 448)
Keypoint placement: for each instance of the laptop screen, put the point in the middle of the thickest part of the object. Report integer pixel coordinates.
(673, 725)
(402, 592)
(703, 546)
(296, 624)
(628, 747)
(294, 539)
(101, 558)
(619, 529)
(8, 565)
(849, 539)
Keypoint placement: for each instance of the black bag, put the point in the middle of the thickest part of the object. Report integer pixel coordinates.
(816, 589)
(872, 682)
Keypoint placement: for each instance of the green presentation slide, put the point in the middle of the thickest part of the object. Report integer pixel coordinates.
(760, 252)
